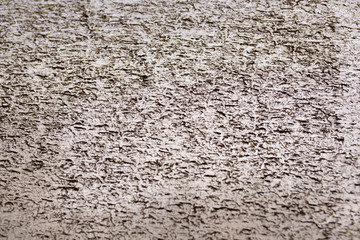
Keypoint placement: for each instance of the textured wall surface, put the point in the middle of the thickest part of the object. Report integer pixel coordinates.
(123, 119)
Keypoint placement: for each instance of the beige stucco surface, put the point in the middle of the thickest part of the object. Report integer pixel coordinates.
(179, 119)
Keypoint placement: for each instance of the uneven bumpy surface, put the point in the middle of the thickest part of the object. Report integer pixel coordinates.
(124, 119)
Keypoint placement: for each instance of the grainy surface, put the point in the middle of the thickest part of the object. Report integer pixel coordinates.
(180, 119)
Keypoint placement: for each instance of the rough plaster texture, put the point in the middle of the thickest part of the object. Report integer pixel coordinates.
(180, 119)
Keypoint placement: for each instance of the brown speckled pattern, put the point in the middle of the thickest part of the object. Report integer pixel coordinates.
(124, 119)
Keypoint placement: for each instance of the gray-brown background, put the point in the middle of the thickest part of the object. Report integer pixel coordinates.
(179, 119)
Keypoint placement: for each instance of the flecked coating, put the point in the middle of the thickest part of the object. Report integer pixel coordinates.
(132, 119)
